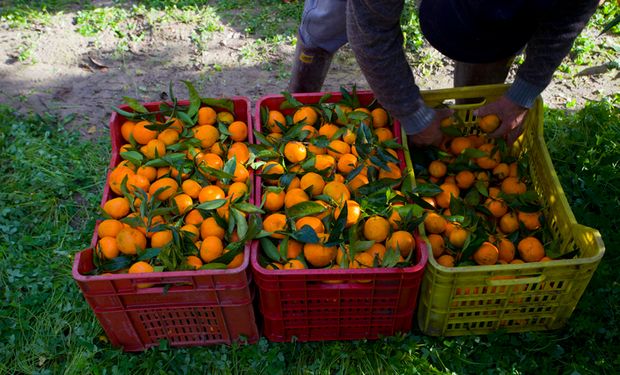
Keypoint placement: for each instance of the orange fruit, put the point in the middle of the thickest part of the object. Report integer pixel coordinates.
(509, 223)
(449, 190)
(237, 190)
(319, 255)
(207, 116)
(376, 228)
(154, 149)
(309, 132)
(328, 130)
(315, 223)
(357, 182)
(149, 172)
(207, 134)
(240, 151)
(182, 202)
(337, 148)
(349, 137)
(401, 240)
(211, 193)
(107, 248)
(193, 217)
(225, 117)
(241, 173)
(161, 239)
(210, 228)
(273, 118)
(458, 237)
(117, 207)
(193, 261)
(497, 207)
(489, 161)
(465, 179)
(294, 264)
(274, 200)
(512, 185)
(191, 188)
(531, 249)
(140, 267)
(337, 191)
(217, 149)
(273, 223)
(235, 262)
(322, 162)
(384, 134)
(109, 228)
(272, 169)
(379, 117)
(393, 171)
(438, 244)
(530, 220)
(312, 181)
(486, 254)
(437, 168)
(501, 171)
(293, 248)
(316, 150)
(489, 123)
(506, 250)
(460, 144)
(363, 260)
(377, 250)
(435, 223)
(191, 231)
(129, 240)
(141, 134)
(295, 151)
(295, 196)
(117, 176)
(127, 129)
(395, 218)
(347, 163)
(211, 249)
(306, 114)
(238, 131)
(513, 170)
(168, 185)
(446, 260)
(353, 212)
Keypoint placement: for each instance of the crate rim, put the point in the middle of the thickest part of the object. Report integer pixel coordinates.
(158, 275)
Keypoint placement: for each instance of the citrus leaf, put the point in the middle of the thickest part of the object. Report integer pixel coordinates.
(134, 157)
(226, 104)
(306, 235)
(211, 205)
(213, 266)
(135, 105)
(306, 208)
(270, 250)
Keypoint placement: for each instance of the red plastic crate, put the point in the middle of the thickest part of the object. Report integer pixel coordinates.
(307, 305)
(368, 304)
(185, 308)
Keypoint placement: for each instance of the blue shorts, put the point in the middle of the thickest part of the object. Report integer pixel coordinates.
(324, 24)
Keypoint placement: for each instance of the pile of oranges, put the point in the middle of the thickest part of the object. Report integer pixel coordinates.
(331, 187)
(181, 194)
(480, 211)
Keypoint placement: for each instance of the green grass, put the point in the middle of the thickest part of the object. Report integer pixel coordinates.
(52, 184)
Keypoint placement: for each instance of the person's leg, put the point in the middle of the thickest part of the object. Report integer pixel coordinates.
(467, 74)
(321, 33)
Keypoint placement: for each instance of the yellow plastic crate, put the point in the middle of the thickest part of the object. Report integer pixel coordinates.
(466, 300)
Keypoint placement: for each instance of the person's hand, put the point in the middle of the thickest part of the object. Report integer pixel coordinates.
(511, 117)
(432, 135)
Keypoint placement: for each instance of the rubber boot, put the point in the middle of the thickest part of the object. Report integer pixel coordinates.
(309, 68)
(466, 74)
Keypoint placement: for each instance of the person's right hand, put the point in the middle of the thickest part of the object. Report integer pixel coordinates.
(432, 135)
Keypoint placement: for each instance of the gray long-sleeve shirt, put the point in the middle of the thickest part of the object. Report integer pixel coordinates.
(373, 28)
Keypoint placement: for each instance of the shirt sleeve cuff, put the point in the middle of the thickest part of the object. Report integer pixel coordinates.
(523, 93)
(418, 120)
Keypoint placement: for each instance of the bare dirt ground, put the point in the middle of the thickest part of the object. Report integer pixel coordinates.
(68, 73)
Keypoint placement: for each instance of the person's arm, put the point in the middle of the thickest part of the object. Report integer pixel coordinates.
(373, 29)
(549, 45)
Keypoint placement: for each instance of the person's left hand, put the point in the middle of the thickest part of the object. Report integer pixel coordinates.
(511, 116)
(432, 135)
